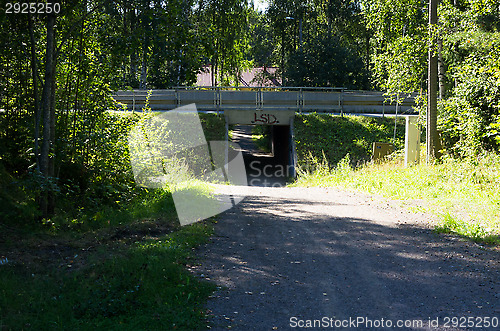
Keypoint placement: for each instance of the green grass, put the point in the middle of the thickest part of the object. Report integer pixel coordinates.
(143, 286)
(464, 194)
(334, 136)
(143, 204)
(471, 230)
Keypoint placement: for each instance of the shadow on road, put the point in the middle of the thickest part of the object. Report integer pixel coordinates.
(284, 258)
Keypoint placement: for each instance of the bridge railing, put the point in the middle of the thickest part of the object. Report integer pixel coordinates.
(301, 99)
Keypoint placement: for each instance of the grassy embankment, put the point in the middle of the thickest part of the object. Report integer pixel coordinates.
(120, 267)
(465, 195)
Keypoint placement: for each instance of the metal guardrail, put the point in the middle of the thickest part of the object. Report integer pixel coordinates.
(301, 99)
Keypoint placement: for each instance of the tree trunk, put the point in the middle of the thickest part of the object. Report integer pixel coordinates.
(48, 110)
(52, 157)
(36, 98)
(441, 71)
(144, 65)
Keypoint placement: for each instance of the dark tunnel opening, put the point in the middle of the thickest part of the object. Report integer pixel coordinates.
(268, 161)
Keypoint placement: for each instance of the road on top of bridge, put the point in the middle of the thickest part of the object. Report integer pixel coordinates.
(291, 257)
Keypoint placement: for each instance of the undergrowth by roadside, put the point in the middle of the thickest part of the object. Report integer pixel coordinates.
(111, 257)
(141, 285)
(465, 194)
(118, 267)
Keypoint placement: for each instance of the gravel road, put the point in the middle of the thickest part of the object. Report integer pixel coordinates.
(291, 257)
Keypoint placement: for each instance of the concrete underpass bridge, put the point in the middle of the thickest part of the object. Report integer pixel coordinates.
(275, 107)
(296, 99)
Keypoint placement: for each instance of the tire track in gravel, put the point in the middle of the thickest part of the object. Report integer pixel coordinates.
(318, 253)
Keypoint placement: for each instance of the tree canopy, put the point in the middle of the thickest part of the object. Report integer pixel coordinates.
(57, 70)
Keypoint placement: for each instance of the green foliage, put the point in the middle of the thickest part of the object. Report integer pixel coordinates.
(15, 203)
(468, 51)
(474, 231)
(214, 127)
(402, 67)
(150, 45)
(298, 26)
(335, 137)
(323, 62)
(95, 186)
(470, 117)
(262, 47)
(225, 44)
(400, 37)
(390, 20)
(105, 188)
(142, 287)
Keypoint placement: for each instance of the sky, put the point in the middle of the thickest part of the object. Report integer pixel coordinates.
(261, 4)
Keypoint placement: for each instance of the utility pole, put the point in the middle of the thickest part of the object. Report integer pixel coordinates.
(432, 87)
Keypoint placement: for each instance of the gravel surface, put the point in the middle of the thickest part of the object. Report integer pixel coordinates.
(290, 257)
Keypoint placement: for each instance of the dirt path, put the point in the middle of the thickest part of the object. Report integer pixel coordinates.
(285, 257)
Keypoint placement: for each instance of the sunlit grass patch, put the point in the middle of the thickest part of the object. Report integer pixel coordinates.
(261, 136)
(474, 231)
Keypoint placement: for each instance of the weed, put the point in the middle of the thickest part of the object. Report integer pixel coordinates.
(471, 230)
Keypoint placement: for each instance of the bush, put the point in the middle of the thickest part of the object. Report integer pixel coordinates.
(470, 118)
(16, 203)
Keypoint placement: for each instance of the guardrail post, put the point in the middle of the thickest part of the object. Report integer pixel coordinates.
(257, 99)
(341, 102)
(177, 97)
(301, 100)
(216, 100)
(133, 101)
